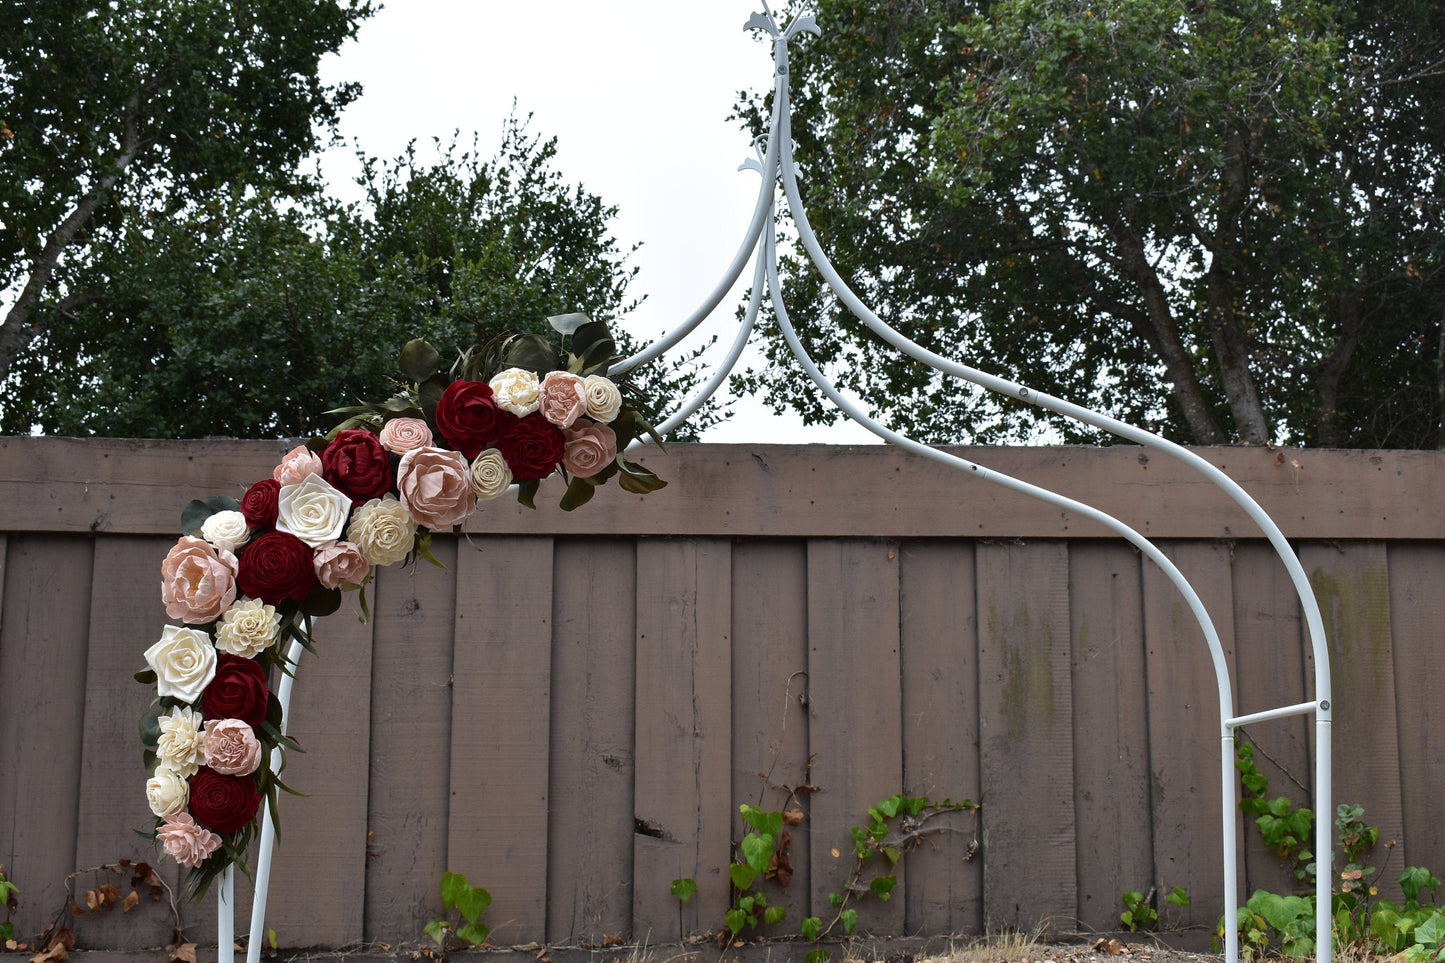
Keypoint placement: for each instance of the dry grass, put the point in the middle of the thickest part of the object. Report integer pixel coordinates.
(996, 946)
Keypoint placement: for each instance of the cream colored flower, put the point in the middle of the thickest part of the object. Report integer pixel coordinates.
(248, 628)
(604, 401)
(312, 510)
(181, 746)
(296, 465)
(382, 530)
(562, 398)
(231, 747)
(490, 474)
(340, 563)
(227, 531)
(197, 582)
(184, 661)
(434, 486)
(515, 390)
(186, 841)
(401, 435)
(168, 792)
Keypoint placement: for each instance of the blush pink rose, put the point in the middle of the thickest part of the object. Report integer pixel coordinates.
(401, 435)
(198, 583)
(588, 448)
(186, 842)
(296, 465)
(231, 747)
(340, 563)
(562, 398)
(435, 487)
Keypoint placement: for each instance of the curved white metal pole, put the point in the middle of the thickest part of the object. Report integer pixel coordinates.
(226, 916)
(267, 845)
(1314, 621)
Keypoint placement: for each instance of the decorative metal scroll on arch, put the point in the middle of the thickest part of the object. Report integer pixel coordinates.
(776, 165)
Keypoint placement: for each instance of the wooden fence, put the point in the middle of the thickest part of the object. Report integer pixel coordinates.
(572, 711)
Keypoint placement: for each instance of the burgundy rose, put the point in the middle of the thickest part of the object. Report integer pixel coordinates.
(532, 446)
(259, 503)
(468, 417)
(357, 464)
(238, 691)
(276, 567)
(221, 803)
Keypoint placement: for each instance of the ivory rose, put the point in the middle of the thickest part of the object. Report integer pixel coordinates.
(167, 792)
(588, 448)
(382, 530)
(401, 435)
(184, 661)
(604, 401)
(197, 582)
(340, 563)
(231, 747)
(562, 398)
(248, 628)
(313, 510)
(435, 487)
(490, 475)
(515, 390)
(226, 530)
(186, 842)
(296, 465)
(181, 746)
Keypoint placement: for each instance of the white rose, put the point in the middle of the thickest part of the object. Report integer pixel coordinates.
(603, 398)
(184, 661)
(181, 746)
(515, 390)
(382, 530)
(490, 474)
(168, 792)
(312, 510)
(247, 628)
(226, 530)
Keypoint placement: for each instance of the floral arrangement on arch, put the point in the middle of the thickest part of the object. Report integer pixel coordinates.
(249, 575)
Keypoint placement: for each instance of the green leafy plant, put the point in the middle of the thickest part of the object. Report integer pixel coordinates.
(1139, 912)
(1286, 828)
(469, 902)
(7, 900)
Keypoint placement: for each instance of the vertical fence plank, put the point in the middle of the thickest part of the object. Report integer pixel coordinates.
(939, 656)
(1267, 633)
(855, 695)
(43, 642)
(684, 748)
(1184, 726)
(1111, 731)
(501, 700)
(769, 710)
(126, 616)
(1026, 712)
(411, 706)
(321, 855)
(1351, 582)
(1417, 611)
(589, 853)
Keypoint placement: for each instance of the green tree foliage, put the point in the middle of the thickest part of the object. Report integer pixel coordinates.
(246, 313)
(103, 104)
(1221, 220)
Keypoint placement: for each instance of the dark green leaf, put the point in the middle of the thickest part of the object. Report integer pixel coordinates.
(419, 360)
(196, 513)
(578, 493)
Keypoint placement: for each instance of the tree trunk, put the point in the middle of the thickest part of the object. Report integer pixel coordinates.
(1327, 382)
(1231, 350)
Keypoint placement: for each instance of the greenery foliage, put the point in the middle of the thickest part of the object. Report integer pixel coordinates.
(1239, 203)
(469, 903)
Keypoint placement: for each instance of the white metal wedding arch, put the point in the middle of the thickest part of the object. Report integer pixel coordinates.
(774, 161)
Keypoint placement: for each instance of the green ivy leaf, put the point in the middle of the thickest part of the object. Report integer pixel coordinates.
(773, 915)
(437, 930)
(471, 902)
(742, 875)
(850, 920)
(684, 889)
(758, 850)
(474, 934)
(453, 885)
(818, 956)
(735, 919)
(811, 927)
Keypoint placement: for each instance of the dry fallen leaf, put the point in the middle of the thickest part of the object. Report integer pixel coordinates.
(1111, 946)
(182, 952)
(792, 816)
(130, 901)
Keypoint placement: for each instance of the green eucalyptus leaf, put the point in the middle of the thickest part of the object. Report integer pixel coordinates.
(531, 352)
(419, 360)
(568, 323)
(578, 493)
(150, 729)
(429, 394)
(196, 513)
(322, 602)
(636, 479)
(527, 493)
(146, 676)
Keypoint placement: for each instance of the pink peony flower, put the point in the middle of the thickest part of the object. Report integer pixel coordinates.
(435, 486)
(198, 583)
(562, 398)
(589, 448)
(401, 435)
(231, 747)
(296, 465)
(340, 563)
(186, 842)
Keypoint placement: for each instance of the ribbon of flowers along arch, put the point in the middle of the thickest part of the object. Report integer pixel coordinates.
(247, 576)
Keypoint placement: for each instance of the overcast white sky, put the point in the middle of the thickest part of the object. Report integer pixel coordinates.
(638, 96)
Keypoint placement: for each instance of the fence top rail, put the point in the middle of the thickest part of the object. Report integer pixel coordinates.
(68, 485)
